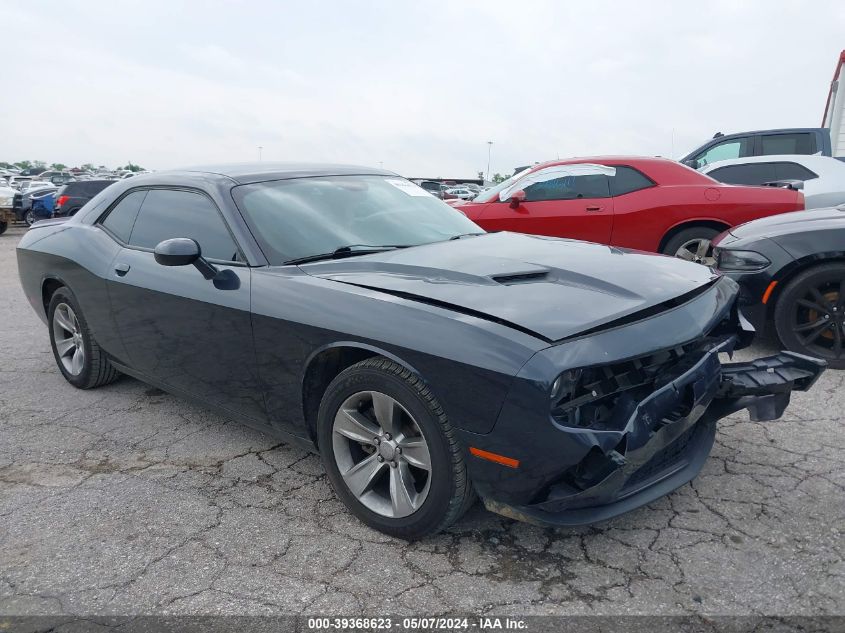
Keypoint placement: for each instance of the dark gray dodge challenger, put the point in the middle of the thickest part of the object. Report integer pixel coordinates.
(428, 362)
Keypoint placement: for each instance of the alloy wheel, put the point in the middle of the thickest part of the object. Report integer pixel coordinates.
(70, 343)
(818, 319)
(699, 250)
(29, 218)
(382, 454)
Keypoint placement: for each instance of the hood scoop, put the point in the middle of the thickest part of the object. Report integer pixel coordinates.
(521, 278)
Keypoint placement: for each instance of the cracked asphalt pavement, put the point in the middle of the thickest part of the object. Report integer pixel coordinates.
(125, 500)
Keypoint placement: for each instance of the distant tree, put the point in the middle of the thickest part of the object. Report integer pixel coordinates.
(39, 164)
(23, 164)
(132, 167)
(497, 178)
(88, 167)
(5, 165)
(58, 166)
(481, 175)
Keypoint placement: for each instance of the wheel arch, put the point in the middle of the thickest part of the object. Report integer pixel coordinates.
(324, 364)
(717, 225)
(49, 285)
(790, 272)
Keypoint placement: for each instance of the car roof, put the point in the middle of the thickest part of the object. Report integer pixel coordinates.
(801, 159)
(245, 173)
(606, 160)
(663, 171)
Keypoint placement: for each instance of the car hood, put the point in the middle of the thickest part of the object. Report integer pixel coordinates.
(548, 287)
(792, 222)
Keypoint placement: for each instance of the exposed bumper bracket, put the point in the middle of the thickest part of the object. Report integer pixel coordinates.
(763, 386)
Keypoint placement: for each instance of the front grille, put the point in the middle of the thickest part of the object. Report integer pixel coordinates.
(604, 397)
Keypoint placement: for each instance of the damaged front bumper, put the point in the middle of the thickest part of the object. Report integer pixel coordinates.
(638, 416)
(668, 438)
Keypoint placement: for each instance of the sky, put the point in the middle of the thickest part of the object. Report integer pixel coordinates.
(416, 87)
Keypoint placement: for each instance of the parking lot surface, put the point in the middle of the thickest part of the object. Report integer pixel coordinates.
(125, 500)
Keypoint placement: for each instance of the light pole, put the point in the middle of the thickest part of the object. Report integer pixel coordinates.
(489, 149)
(259, 152)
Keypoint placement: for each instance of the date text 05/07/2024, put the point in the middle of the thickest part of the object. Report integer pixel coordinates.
(417, 623)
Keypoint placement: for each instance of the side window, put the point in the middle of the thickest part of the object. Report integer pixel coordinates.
(733, 148)
(793, 171)
(750, 174)
(122, 217)
(166, 214)
(798, 143)
(569, 188)
(627, 180)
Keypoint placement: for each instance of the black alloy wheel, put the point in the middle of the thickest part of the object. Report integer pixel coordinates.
(810, 314)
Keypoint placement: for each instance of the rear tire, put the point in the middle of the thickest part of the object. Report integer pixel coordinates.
(3, 227)
(810, 314)
(693, 244)
(78, 356)
(439, 492)
(29, 218)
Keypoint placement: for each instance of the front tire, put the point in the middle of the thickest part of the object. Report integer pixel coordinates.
(3, 227)
(693, 244)
(80, 359)
(390, 452)
(29, 218)
(810, 314)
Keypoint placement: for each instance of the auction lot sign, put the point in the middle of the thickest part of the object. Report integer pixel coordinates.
(410, 624)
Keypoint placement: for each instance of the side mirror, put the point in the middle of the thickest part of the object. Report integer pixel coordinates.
(182, 251)
(692, 162)
(517, 198)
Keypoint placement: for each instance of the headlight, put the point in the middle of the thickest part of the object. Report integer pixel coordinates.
(564, 385)
(727, 259)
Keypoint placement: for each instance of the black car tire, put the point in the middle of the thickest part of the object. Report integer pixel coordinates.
(97, 370)
(796, 290)
(29, 218)
(450, 493)
(687, 235)
(3, 227)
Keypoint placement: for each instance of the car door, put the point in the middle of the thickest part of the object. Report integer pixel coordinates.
(559, 202)
(178, 328)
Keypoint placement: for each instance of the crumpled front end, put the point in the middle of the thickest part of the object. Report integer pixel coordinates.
(634, 416)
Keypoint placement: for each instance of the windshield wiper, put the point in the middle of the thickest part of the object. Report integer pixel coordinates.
(462, 235)
(346, 251)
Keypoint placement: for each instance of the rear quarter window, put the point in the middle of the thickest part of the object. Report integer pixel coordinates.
(121, 218)
(628, 180)
(793, 171)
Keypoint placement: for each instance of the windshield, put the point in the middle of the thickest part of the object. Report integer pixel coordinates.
(306, 217)
(491, 194)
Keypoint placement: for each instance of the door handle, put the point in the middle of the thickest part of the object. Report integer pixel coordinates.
(593, 208)
(121, 269)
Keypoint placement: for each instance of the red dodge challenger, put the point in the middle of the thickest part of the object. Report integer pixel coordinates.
(651, 204)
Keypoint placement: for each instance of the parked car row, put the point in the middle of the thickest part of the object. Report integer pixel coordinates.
(446, 191)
